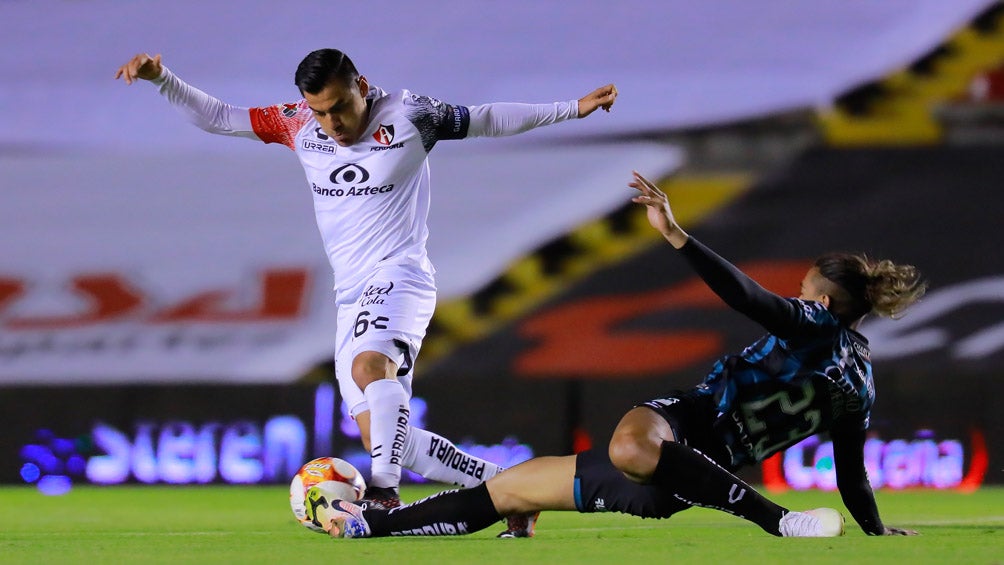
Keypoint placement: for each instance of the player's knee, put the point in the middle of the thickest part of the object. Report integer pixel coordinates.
(506, 503)
(631, 456)
(370, 366)
(507, 499)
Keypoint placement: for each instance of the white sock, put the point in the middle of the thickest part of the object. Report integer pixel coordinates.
(389, 414)
(437, 459)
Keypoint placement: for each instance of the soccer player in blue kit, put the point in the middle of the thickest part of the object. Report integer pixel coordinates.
(364, 152)
(810, 374)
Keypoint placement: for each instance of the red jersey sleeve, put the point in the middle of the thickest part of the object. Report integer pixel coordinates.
(280, 123)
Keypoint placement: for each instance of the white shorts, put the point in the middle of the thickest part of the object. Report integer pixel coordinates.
(390, 317)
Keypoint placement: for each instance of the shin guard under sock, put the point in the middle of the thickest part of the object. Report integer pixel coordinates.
(696, 479)
(453, 512)
(389, 416)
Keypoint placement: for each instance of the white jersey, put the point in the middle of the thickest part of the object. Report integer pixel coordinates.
(371, 199)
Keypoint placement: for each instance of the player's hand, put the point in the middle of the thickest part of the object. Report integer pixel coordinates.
(660, 215)
(899, 532)
(602, 97)
(141, 66)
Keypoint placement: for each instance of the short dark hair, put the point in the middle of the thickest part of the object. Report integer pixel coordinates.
(321, 67)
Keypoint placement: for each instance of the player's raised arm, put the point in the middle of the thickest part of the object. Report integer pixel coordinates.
(204, 111)
(602, 97)
(660, 214)
(140, 66)
(738, 290)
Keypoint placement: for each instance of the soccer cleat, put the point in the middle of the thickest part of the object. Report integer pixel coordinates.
(520, 525)
(817, 523)
(381, 498)
(342, 519)
(314, 501)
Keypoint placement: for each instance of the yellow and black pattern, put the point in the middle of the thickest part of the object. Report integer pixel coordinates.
(532, 279)
(896, 110)
(899, 109)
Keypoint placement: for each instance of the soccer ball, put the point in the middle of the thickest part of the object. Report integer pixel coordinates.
(336, 478)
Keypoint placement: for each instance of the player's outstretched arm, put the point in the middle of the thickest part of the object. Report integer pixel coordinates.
(737, 289)
(500, 119)
(141, 66)
(602, 97)
(206, 112)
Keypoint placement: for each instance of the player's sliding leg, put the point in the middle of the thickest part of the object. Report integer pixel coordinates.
(601, 487)
(545, 483)
(449, 513)
(644, 448)
(697, 480)
(700, 481)
(539, 484)
(586, 482)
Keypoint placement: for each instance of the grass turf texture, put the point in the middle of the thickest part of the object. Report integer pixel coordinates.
(221, 524)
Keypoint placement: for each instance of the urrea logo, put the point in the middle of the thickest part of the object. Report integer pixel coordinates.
(349, 174)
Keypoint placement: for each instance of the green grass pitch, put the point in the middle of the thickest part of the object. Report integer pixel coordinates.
(221, 524)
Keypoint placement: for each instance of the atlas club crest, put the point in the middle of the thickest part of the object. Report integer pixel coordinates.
(384, 135)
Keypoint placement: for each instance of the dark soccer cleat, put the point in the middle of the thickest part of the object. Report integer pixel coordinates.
(520, 525)
(381, 498)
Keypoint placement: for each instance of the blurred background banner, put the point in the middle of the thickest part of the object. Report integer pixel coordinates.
(136, 247)
(166, 312)
(208, 267)
(650, 316)
(677, 63)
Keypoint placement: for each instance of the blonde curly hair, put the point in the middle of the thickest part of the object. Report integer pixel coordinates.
(862, 286)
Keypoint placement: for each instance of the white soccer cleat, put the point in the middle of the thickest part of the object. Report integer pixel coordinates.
(343, 519)
(817, 523)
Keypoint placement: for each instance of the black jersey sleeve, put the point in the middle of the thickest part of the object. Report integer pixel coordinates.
(437, 120)
(777, 314)
(852, 479)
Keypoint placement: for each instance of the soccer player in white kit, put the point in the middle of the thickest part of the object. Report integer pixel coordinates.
(364, 152)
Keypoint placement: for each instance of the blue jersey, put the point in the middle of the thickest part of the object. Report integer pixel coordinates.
(809, 374)
(781, 390)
